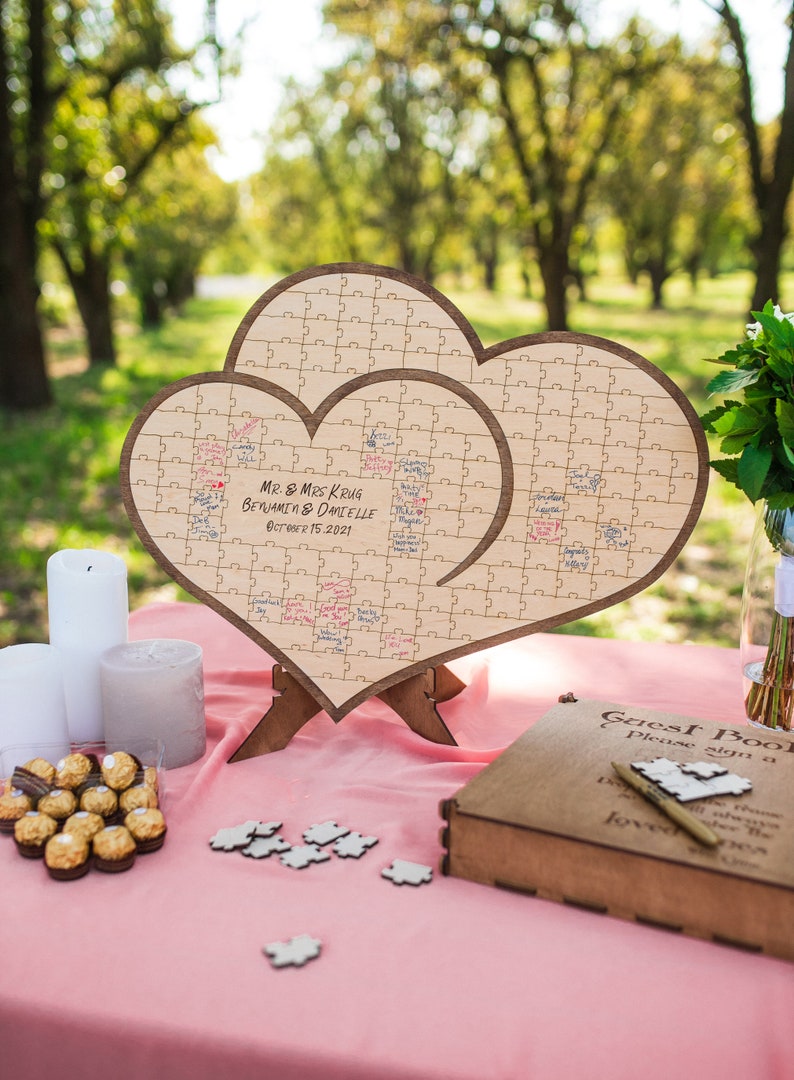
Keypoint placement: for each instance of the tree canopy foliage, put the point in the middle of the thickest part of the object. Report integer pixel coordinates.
(89, 105)
(452, 134)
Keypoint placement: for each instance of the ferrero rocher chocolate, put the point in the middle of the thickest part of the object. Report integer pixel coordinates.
(32, 832)
(68, 814)
(59, 804)
(147, 827)
(114, 849)
(100, 800)
(13, 804)
(66, 856)
(84, 823)
(75, 769)
(136, 796)
(39, 767)
(119, 770)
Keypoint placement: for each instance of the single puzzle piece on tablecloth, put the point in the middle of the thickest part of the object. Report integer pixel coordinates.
(302, 855)
(266, 828)
(324, 833)
(263, 846)
(697, 780)
(234, 837)
(402, 872)
(353, 845)
(293, 953)
(237, 836)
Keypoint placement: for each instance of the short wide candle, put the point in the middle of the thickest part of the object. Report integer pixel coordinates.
(32, 706)
(155, 689)
(88, 611)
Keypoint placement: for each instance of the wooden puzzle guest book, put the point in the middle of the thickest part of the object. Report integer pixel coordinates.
(368, 492)
(550, 817)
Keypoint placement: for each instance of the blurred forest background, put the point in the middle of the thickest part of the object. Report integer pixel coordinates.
(544, 171)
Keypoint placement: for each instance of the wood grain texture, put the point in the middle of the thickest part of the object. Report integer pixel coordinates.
(550, 818)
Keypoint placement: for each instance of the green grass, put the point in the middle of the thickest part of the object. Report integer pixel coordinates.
(60, 467)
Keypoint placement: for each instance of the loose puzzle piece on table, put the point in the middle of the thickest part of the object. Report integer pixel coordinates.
(353, 845)
(303, 855)
(325, 833)
(259, 840)
(293, 953)
(263, 846)
(368, 492)
(237, 836)
(697, 780)
(402, 872)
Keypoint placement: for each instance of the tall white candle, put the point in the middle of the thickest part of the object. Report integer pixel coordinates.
(32, 706)
(89, 612)
(155, 689)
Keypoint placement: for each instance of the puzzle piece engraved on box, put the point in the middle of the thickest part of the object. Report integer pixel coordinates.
(293, 953)
(368, 492)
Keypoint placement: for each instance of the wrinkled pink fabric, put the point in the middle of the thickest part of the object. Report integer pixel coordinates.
(159, 972)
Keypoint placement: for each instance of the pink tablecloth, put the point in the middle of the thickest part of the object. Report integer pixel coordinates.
(160, 972)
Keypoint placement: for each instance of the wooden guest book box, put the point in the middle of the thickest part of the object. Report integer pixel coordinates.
(551, 818)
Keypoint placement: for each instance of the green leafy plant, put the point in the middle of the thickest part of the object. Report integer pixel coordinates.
(756, 433)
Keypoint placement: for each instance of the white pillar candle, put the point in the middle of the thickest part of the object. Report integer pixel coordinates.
(155, 689)
(89, 612)
(32, 706)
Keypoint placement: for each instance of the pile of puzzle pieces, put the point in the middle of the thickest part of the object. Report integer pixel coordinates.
(261, 839)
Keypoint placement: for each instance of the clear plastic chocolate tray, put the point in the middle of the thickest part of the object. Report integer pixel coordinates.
(149, 752)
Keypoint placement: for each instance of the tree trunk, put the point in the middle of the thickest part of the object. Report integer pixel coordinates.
(23, 372)
(151, 309)
(486, 248)
(771, 191)
(658, 274)
(180, 288)
(767, 267)
(554, 274)
(91, 287)
(526, 280)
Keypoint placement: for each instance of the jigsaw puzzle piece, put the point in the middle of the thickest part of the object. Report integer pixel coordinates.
(293, 953)
(403, 872)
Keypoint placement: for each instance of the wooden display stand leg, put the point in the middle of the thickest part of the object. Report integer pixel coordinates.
(413, 699)
(289, 711)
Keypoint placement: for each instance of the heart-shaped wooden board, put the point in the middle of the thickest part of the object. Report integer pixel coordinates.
(368, 492)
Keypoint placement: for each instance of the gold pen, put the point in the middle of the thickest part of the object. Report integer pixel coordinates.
(668, 805)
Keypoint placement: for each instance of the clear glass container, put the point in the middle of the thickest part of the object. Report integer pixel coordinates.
(767, 630)
(149, 752)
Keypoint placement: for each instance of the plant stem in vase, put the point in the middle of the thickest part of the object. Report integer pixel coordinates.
(770, 698)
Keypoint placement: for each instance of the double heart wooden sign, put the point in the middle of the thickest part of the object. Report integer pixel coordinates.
(367, 492)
